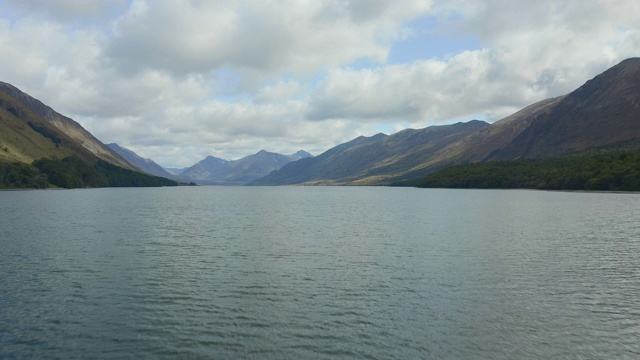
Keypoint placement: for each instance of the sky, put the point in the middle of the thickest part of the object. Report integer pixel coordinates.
(179, 80)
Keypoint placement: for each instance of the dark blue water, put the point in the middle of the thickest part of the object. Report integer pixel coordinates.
(319, 272)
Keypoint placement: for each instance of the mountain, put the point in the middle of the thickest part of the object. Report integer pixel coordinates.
(602, 112)
(41, 148)
(214, 171)
(175, 171)
(29, 109)
(593, 129)
(300, 154)
(147, 165)
(605, 111)
(203, 169)
(372, 160)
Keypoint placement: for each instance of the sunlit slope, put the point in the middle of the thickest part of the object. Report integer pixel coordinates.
(40, 148)
(19, 142)
(25, 109)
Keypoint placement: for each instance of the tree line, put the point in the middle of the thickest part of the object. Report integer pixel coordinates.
(73, 172)
(615, 169)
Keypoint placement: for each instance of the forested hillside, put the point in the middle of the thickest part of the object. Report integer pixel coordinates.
(73, 172)
(615, 169)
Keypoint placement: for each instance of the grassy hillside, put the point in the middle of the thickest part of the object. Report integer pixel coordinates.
(20, 142)
(29, 109)
(603, 169)
(36, 154)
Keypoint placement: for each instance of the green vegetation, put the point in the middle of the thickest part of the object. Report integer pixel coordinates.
(603, 169)
(45, 131)
(21, 176)
(73, 172)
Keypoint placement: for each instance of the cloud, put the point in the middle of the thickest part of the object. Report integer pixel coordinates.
(428, 92)
(69, 10)
(179, 80)
(228, 130)
(531, 51)
(298, 37)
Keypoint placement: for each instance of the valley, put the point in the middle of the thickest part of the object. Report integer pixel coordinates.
(604, 112)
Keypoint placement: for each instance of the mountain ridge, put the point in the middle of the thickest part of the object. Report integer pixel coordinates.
(587, 117)
(147, 165)
(605, 110)
(216, 171)
(66, 125)
(370, 160)
(40, 148)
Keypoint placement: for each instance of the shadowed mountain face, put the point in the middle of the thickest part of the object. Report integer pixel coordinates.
(203, 169)
(30, 110)
(372, 160)
(215, 171)
(147, 165)
(604, 111)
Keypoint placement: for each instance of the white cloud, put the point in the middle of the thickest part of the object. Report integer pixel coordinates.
(282, 91)
(85, 11)
(424, 92)
(299, 37)
(532, 50)
(179, 80)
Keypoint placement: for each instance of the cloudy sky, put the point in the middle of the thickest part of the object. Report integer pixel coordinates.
(178, 80)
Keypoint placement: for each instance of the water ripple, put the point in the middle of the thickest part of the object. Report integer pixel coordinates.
(368, 273)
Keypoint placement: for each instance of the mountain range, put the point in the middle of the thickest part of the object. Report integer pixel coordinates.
(39, 146)
(604, 111)
(216, 171)
(212, 170)
(372, 160)
(56, 150)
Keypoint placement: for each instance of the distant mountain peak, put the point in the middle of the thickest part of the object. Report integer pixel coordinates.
(213, 158)
(215, 171)
(300, 154)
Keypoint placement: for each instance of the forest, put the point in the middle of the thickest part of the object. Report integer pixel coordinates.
(73, 172)
(612, 169)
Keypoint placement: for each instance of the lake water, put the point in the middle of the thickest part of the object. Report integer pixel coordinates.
(319, 272)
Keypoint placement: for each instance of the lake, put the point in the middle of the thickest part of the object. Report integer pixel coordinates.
(319, 272)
